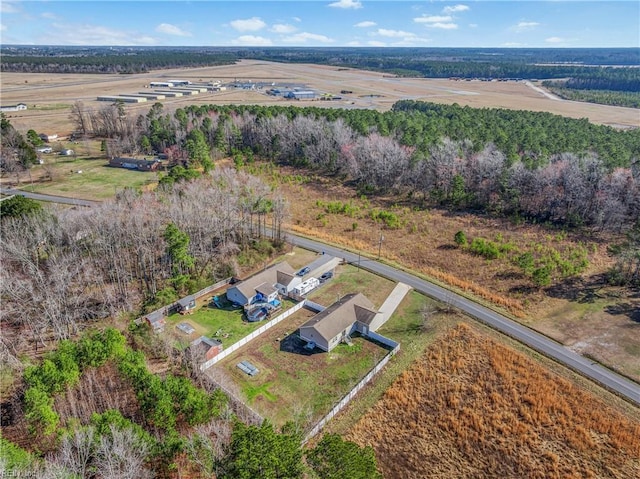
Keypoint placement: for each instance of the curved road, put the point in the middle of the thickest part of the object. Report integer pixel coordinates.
(594, 371)
(605, 377)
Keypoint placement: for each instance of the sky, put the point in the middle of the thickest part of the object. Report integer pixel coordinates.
(307, 23)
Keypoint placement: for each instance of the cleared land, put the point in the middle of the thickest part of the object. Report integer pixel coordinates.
(47, 94)
(470, 407)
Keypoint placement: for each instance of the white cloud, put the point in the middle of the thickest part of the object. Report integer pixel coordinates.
(87, 34)
(365, 24)
(354, 43)
(346, 4)
(524, 26)
(555, 40)
(8, 7)
(282, 28)
(375, 43)
(296, 19)
(303, 37)
(252, 24)
(394, 33)
(455, 8)
(169, 29)
(433, 19)
(473, 25)
(252, 40)
(2, 27)
(442, 26)
(49, 15)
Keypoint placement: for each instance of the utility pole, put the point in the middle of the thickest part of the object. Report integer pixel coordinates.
(380, 244)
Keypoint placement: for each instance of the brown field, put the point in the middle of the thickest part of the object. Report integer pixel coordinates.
(585, 314)
(471, 407)
(49, 96)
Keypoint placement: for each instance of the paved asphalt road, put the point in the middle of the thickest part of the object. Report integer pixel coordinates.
(50, 198)
(534, 340)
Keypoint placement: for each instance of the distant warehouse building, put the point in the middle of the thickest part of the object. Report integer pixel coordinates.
(18, 107)
(186, 92)
(180, 82)
(151, 96)
(170, 94)
(125, 99)
(301, 95)
(161, 84)
(148, 96)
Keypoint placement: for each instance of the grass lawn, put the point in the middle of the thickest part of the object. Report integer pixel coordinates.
(96, 182)
(226, 325)
(350, 279)
(295, 384)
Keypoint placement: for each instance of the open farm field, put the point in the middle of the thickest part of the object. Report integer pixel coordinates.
(43, 92)
(471, 407)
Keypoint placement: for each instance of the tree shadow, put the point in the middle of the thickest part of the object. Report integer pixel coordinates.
(580, 290)
(627, 309)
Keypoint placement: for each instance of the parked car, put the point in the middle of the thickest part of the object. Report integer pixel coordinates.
(326, 276)
(303, 271)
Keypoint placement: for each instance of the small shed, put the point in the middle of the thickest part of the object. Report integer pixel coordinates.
(155, 320)
(205, 347)
(187, 304)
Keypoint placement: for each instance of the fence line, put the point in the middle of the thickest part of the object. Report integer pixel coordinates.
(350, 395)
(382, 339)
(166, 309)
(315, 306)
(234, 347)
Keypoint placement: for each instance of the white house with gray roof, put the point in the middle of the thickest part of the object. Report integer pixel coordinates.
(279, 278)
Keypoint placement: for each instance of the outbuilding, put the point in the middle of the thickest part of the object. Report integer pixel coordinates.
(155, 320)
(187, 304)
(205, 348)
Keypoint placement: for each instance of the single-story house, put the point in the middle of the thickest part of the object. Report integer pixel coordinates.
(187, 304)
(353, 312)
(18, 107)
(155, 320)
(205, 348)
(134, 164)
(263, 286)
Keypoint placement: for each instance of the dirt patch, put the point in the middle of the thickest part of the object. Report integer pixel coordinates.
(471, 407)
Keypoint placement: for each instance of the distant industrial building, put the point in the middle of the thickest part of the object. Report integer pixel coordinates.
(200, 89)
(18, 107)
(170, 94)
(186, 92)
(125, 99)
(151, 96)
(217, 88)
(161, 84)
(301, 95)
(180, 82)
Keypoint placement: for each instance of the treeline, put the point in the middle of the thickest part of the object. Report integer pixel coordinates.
(64, 269)
(139, 62)
(533, 165)
(603, 97)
